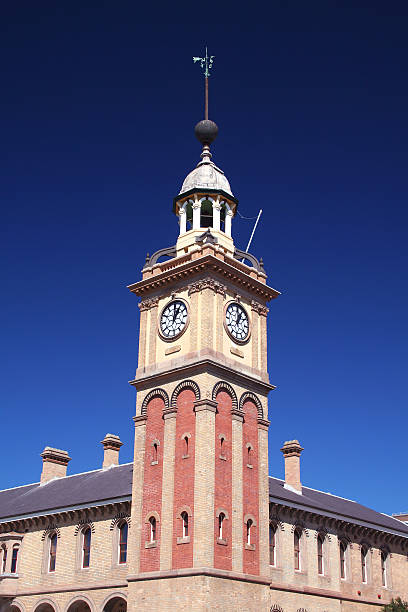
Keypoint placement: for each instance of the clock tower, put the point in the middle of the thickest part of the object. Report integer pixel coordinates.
(199, 531)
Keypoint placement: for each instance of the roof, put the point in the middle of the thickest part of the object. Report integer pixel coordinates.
(332, 505)
(115, 484)
(88, 488)
(206, 176)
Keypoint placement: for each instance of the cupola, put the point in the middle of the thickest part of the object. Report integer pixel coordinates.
(205, 199)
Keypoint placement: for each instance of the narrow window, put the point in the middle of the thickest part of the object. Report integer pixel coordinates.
(123, 538)
(221, 518)
(86, 546)
(272, 545)
(296, 544)
(249, 524)
(342, 560)
(186, 446)
(155, 452)
(3, 566)
(184, 518)
(384, 568)
(53, 553)
(320, 566)
(153, 529)
(364, 564)
(14, 558)
(222, 449)
(249, 457)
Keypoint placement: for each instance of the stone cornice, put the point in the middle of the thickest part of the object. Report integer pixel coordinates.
(211, 261)
(339, 523)
(43, 518)
(198, 365)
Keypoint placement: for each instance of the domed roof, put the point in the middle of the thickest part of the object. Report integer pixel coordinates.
(206, 176)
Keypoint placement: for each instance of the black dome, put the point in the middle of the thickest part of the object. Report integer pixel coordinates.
(206, 131)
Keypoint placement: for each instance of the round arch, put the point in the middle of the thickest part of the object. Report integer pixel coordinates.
(46, 605)
(185, 384)
(224, 386)
(248, 396)
(116, 602)
(80, 603)
(155, 393)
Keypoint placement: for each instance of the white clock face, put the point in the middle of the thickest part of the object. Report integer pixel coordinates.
(173, 319)
(237, 322)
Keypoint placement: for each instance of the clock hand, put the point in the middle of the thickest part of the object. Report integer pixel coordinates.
(176, 310)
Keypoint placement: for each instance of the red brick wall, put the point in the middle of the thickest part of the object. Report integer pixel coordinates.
(223, 480)
(152, 483)
(184, 478)
(250, 485)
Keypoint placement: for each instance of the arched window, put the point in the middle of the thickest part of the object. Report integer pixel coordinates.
(222, 446)
(343, 548)
(320, 560)
(52, 552)
(249, 455)
(384, 568)
(272, 544)
(249, 525)
(296, 548)
(364, 563)
(123, 538)
(153, 529)
(4, 560)
(14, 557)
(86, 546)
(184, 519)
(221, 519)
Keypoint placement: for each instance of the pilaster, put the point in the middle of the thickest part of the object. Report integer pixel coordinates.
(263, 426)
(135, 532)
(169, 449)
(204, 483)
(237, 491)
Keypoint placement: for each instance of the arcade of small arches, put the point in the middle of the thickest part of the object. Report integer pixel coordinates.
(207, 211)
(192, 385)
(113, 603)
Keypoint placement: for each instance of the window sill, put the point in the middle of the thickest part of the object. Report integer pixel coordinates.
(8, 575)
(154, 463)
(249, 466)
(185, 540)
(222, 542)
(185, 456)
(222, 457)
(249, 546)
(151, 544)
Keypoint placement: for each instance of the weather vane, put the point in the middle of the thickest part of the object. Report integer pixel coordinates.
(206, 64)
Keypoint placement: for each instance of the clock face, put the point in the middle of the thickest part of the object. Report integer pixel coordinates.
(173, 319)
(237, 322)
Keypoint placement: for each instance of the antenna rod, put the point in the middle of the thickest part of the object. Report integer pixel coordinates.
(206, 98)
(253, 231)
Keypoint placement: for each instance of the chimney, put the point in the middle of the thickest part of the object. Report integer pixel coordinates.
(55, 463)
(111, 446)
(291, 451)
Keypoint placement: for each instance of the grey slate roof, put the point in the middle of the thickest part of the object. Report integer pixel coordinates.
(80, 489)
(328, 504)
(93, 488)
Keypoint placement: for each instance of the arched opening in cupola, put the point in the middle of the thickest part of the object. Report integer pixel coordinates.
(206, 214)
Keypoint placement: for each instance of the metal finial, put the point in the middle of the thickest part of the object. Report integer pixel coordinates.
(206, 65)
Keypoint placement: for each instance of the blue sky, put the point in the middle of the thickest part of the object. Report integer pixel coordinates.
(98, 104)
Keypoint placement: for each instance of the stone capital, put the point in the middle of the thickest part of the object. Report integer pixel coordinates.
(205, 404)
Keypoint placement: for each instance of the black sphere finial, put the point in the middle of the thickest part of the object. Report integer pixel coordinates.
(206, 131)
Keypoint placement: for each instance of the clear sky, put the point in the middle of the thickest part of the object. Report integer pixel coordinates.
(98, 104)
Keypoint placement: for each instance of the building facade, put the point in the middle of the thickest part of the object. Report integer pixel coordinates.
(195, 522)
